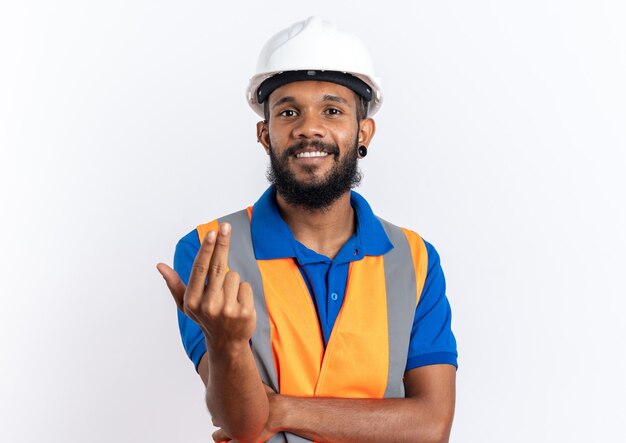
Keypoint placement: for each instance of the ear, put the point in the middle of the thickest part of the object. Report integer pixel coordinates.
(263, 135)
(367, 129)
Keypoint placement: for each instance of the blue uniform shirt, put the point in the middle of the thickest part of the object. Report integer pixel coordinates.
(432, 341)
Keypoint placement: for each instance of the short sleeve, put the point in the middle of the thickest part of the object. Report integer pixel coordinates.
(432, 341)
(190, 332)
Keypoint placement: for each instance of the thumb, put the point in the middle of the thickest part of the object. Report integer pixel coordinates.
(220, 436)
(174, 284)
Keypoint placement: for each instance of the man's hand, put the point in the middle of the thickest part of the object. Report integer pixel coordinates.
(266, 433)
(221, 305)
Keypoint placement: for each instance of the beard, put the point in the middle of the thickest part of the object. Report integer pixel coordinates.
(320, 194)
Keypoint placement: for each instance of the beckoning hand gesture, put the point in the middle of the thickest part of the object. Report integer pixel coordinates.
(216, 299)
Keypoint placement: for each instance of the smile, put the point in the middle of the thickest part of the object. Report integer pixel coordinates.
(311, 154)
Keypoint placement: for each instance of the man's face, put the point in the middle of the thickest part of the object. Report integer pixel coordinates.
(312, 138)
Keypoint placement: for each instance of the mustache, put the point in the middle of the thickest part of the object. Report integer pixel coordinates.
(304, 144)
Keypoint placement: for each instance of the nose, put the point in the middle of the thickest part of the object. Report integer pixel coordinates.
(309, 126)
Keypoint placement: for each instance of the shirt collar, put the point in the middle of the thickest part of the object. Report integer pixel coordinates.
(273, 239)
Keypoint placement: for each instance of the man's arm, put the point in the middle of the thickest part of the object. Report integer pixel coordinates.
(425, 415)
(203, 369)
(223, 308)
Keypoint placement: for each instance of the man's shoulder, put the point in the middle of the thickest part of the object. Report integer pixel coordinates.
(193, 237)
(411, 234)
(190, 238)
(372, 220)
(413, 237)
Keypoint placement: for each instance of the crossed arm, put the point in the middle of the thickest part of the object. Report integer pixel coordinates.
(248, 411)
(425, 415)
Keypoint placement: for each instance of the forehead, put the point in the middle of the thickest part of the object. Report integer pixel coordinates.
(313, 91)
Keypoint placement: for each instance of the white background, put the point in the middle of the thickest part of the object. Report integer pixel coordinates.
(502, 140)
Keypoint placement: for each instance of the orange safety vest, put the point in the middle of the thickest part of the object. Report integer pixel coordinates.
(367, 351)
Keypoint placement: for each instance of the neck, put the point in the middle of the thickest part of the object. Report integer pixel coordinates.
(324, 231)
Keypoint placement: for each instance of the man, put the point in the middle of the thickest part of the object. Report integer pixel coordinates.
(307, 317)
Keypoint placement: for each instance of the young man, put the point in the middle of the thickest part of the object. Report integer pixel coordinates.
(307, 317)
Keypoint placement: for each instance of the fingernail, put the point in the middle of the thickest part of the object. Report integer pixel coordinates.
(224, 228)
(210, 236)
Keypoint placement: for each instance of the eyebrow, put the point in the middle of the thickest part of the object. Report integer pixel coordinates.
(286, 99)
(335, 98)
(326, 98)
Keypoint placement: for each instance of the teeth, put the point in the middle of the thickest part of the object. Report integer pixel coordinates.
(312, 154)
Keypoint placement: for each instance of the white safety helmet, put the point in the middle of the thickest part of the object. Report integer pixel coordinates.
(314, 50)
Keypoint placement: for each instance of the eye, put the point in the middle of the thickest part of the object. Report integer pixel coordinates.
(287, 113)
(333, 111)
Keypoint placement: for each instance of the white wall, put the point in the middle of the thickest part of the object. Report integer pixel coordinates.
(502, 141)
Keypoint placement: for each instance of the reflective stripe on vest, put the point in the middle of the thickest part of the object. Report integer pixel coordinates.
(367, 351)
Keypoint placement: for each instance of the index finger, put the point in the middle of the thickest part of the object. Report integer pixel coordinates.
(219, 260)
(199, 270)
